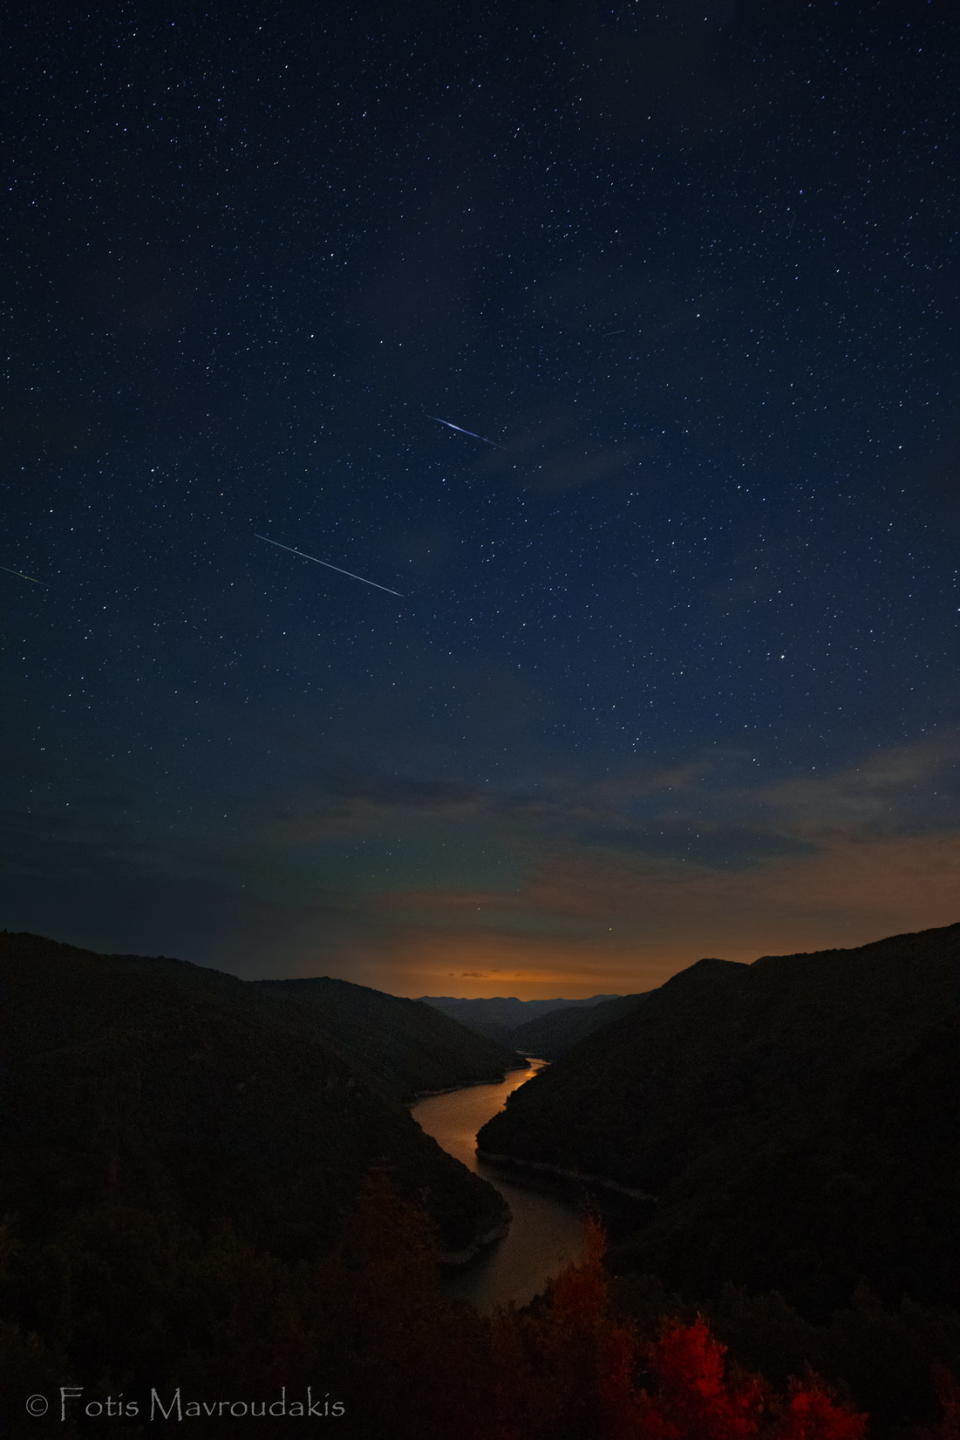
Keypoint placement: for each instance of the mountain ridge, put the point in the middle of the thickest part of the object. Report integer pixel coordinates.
(496, 1016)
(156, 1082)
(402, 1046)
(796, 1117)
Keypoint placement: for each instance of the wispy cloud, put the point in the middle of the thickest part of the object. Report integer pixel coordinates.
(908, 787)
(618, 879)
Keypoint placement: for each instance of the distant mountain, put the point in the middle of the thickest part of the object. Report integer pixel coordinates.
(402, 1047)
(798, 1120)
(553, 1034)
(158, 1085)
(499, 1016)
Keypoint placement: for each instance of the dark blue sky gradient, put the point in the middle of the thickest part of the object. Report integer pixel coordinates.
(675, 667)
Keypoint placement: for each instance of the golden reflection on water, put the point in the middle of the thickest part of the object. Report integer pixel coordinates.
(545, 1233)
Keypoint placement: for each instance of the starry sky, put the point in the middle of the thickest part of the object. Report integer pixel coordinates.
(671, 669)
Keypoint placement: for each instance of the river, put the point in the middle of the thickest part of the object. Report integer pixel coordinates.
(545, 1233)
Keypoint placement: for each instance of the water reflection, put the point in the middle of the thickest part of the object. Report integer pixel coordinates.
(545, 1234)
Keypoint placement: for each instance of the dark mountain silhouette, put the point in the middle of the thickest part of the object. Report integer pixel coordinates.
(498, 1016)
(798, 1120)
(553, 1034)
(402, 1047)
(153, 1083)
(197, 1192)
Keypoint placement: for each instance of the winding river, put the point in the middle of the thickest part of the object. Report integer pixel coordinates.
(545, 1233)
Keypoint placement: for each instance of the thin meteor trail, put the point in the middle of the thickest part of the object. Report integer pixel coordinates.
(450, 425)
(305, 556)
(22, 576)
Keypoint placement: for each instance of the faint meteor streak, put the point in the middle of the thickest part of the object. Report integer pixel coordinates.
(450, 425)
(22, 576)
(305, 556)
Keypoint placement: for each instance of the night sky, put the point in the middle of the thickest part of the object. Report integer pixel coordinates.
(672, 669)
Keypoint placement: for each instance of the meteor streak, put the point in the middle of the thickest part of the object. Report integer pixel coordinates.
(22, 576)
(450, 425)
(305, 556)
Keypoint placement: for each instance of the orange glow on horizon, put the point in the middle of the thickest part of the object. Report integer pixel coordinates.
(635, 925)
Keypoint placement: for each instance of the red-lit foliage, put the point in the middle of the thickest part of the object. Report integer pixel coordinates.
(369, 1323)
(692, 1393)
(573, 1369)
(810, 1413)
(696, 1395)
(565, 1369)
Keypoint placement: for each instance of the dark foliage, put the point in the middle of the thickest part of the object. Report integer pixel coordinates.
(160, 1087)
(798, 1120)
(200, 1195)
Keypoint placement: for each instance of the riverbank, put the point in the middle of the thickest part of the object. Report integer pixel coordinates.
(490, 1157)
(470, 1252)
(468, 1085)
(508, 1263)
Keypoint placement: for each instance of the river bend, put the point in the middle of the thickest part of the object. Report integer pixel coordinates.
(545, 1234)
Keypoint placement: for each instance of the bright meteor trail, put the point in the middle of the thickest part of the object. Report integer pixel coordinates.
(450, 425)
(21, 575)
(305, 556)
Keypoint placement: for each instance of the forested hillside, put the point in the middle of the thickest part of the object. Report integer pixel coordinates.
(797, 1120)
(403, 1047)
(198, 1193)
(162, 1086)
(551, 1035)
